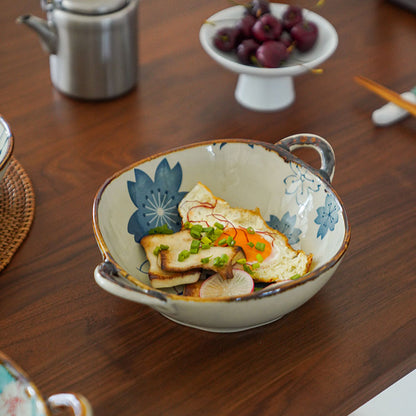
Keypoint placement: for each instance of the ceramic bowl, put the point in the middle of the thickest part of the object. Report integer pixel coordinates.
(19, 396)
(293, 197)
(268, 89)
(6, 146)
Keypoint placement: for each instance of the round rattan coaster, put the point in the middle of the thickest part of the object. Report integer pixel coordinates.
(17, 209)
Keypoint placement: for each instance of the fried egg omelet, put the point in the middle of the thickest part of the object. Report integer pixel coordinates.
(267, 251)
(216, 238)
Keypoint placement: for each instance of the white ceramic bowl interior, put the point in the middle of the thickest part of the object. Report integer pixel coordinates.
(292, 197)
(268, 89)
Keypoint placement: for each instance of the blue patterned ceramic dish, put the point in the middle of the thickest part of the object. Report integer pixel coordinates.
(293, 197)
(6, 146)
(20, 397)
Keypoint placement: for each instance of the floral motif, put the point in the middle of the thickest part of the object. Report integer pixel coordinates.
(144, 267)
(301, 183)
(14, 401)
(286, 226)
(157, 201)
(327, 216)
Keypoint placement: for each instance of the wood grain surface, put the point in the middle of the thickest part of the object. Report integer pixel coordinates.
(352, 340)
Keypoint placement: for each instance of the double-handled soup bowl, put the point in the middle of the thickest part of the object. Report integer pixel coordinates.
(293, 197)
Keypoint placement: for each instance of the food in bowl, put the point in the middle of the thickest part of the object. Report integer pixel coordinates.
(221, 240)
(262, 38)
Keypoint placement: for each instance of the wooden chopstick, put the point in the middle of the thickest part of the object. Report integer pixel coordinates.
(385, 93)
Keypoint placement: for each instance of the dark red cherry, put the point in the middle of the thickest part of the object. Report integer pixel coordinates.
(304, 34)
(271, 54)
(246, 51)
(267, 27)
(225, 39)
(291, 16)
(245, 26)
(258, 7)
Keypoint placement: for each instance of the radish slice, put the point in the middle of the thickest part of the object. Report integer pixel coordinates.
(216, 286)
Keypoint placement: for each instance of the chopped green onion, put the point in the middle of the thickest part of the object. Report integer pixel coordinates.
(184, 254)
(296, 276)
(187, 225)
(219, 225)
(205, 246)
(217, 233)
(247, 269)
(208, 230)
(241, 261)
(211, 235)
(217, 262)
(230, 241)
(158, 249)
(163, 229)
(205, 260)
(205, 240)
(250, 230)
(255, 266)
(220, 261)
(250, 244)
(194, 247)
(196, 231)
(260, 246)
(222, 242)
(259, 258)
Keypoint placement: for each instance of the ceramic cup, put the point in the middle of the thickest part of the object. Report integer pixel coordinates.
(19, 396)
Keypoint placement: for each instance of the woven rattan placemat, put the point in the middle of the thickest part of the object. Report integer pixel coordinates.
(17, 209)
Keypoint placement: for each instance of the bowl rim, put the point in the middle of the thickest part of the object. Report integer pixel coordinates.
(9, 143)
(271, 289)
(291, 70)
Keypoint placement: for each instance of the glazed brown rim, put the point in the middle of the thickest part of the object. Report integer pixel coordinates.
(161, 295)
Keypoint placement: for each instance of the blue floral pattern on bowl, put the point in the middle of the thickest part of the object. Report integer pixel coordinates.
(286, 226)
(300, 183)
(157, 201)
(327, 216)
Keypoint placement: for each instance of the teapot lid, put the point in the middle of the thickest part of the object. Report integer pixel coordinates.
(90, 7)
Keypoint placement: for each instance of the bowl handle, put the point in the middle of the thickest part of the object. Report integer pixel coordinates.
(106, 276)
(79, 405)
(317, 143)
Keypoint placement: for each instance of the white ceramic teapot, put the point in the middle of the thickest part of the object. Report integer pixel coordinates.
(92, 45)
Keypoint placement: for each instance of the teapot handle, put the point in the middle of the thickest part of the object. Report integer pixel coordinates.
(317, 143)
(79, 405)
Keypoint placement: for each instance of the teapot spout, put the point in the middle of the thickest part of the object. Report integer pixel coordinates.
(45, 30)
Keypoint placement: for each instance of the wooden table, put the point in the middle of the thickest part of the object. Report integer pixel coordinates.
(353, 339)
